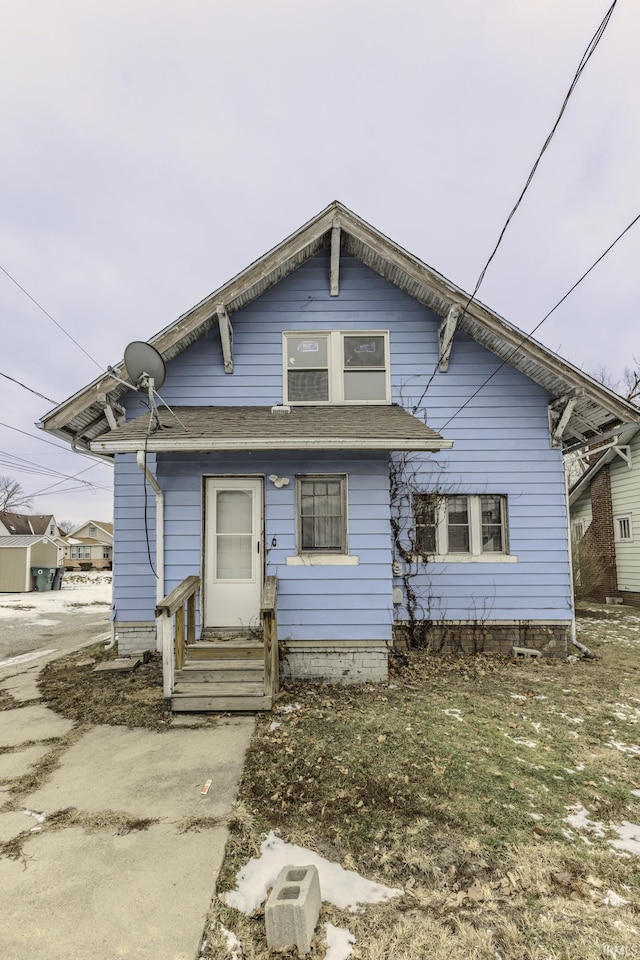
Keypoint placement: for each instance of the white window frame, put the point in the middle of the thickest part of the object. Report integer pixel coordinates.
(335, 365)
(578, 529)
(619, 522)
(319, 552)
(81, 553)
(475, 554)
(94, 533)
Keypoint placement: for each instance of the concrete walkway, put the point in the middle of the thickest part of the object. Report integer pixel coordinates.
(130, 867)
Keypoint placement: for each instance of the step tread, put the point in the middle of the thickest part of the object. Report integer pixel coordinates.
(186, 703)
(229, 688)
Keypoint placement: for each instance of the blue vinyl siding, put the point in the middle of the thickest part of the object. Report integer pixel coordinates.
(501, 446)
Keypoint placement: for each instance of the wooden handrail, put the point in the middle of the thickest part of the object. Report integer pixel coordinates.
(173, 650)
(270, 633)
(178, 596)
(269, 595)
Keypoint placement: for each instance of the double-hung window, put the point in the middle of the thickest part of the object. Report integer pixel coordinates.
(322, 520)
(336, 367)
(466, 527)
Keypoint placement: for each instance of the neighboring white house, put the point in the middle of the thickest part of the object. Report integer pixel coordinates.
(605, 521)
(91, 542)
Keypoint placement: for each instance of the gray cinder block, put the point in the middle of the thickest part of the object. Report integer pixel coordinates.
(292, 910)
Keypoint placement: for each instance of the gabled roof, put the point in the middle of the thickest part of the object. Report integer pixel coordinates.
(22, 524)
(100, 524)
(23, 541)
(82, 418)
(607, 456)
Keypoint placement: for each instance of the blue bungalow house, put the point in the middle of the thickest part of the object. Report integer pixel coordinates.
(347, 453)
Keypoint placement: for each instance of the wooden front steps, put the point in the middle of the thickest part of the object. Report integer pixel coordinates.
(225, 675)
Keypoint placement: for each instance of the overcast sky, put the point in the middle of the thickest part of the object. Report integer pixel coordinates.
(151, 150)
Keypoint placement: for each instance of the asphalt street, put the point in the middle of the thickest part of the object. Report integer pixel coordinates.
(59, 631)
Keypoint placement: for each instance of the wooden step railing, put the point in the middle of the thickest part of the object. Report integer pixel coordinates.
(173, 642)
(270, 634)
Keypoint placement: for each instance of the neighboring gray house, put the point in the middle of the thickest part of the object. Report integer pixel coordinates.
(605, 520)
(354, 432)
(28, 525)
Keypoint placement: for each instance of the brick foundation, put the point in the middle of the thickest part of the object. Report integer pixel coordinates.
(597, 550)
(333, 662)
(137, 635)
(631, 597)
(451, 636)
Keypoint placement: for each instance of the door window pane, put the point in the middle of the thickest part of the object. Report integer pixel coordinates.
(234, 534)
(233, 557)
(234, 510)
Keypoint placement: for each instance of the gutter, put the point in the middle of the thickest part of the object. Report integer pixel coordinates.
(208, 445)
(141, 458)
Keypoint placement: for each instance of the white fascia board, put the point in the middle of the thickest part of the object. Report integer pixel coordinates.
(259, 443)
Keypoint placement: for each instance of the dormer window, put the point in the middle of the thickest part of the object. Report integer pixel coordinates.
(337, 367)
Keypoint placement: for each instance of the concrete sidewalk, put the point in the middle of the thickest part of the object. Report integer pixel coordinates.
(130, 869)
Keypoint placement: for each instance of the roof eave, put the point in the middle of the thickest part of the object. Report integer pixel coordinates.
(209, 445)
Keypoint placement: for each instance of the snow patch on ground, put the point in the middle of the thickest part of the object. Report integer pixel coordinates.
(579, 819)
(339, 942)
(80, 590)
(345, 889)
(455, 713)
(629, 838)
(25, 657)
(612, 899)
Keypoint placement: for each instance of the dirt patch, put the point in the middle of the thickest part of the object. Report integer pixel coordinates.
(73, 690)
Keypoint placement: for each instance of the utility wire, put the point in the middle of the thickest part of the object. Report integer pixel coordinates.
(586, 56)
(13, 380)
(34, 436)
(528, 336)
(53, 320)
(29, 466)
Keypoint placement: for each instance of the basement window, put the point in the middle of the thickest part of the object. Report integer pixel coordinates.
(623, 529)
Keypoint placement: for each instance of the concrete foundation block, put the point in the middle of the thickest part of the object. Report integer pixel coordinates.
(292, 910)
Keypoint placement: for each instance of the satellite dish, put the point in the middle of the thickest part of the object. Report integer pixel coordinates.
(142, 361)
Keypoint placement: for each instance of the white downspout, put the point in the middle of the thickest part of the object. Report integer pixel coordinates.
(572, 632)
(153, 483)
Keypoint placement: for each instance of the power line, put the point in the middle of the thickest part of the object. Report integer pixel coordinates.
(35, 437)
(538, 325)
(53, 320)
(29, 466)
(586, 56)
(13, 380)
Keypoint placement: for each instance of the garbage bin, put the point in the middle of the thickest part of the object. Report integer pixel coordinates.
(57, 578)
(43, 577)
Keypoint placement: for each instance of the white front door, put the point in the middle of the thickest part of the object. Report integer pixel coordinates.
(233, 552)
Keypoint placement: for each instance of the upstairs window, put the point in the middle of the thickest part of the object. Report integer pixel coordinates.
(336, 367)
(92, 531)
(464, 526)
